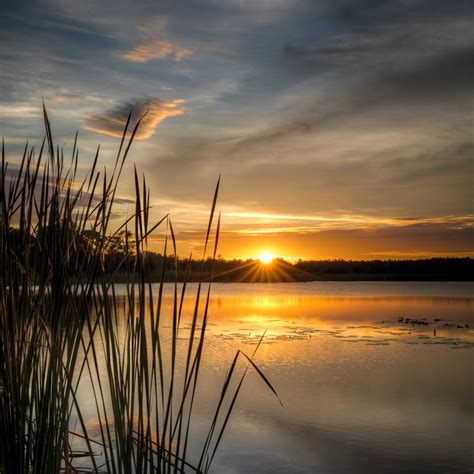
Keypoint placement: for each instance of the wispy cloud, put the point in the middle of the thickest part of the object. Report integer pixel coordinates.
(153, 111)
(154, 45)
(252, 223)
(67, 96)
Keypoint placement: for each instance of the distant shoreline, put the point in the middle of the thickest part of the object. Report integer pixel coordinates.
(117, 279)
(280, 271)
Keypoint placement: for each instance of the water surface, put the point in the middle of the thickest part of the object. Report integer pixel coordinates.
(375, 377)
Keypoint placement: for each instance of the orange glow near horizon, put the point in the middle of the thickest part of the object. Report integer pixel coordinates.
(370, 243)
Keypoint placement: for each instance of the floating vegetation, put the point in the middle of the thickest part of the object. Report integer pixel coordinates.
(380, 334)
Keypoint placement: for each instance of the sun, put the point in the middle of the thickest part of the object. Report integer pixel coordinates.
(266, 257)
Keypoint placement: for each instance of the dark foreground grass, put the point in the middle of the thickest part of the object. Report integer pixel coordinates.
(59, 320)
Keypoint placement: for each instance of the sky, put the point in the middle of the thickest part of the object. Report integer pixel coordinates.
(340, 129)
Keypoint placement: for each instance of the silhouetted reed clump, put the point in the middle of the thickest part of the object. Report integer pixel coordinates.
(59, 319)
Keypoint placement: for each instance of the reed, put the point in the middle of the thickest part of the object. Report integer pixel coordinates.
(60, 319)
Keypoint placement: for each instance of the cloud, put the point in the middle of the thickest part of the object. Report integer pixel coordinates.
(153, 110)
(257, 222)
(154, 45)
(68, 96)
(437, 90)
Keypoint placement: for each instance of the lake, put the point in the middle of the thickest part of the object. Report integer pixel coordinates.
(374, 377)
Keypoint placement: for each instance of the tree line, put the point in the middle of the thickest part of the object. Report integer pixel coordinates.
(118, 260)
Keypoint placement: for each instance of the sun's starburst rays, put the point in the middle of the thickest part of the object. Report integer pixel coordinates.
(266, 257)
